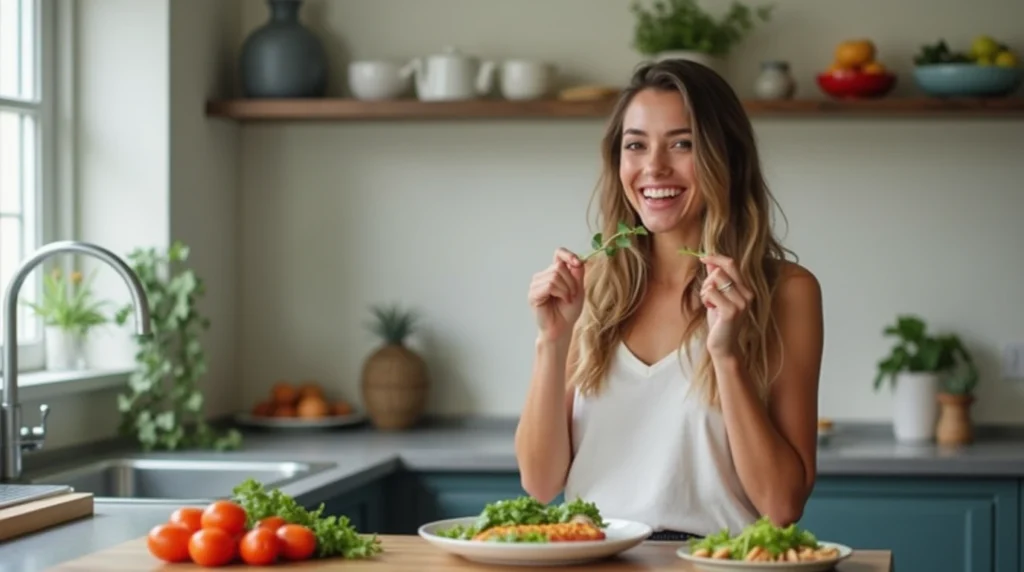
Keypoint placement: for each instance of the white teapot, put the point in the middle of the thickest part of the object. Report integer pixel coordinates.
(450, 76)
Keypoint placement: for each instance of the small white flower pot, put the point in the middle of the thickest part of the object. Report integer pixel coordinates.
(915, 407)
(65, 350)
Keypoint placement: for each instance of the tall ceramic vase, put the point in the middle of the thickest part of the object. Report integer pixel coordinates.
(915, 407)
(282, 58)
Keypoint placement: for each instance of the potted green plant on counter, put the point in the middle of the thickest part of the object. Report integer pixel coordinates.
(163, 408)
(682, 29)
(924, 370)
(69, 313)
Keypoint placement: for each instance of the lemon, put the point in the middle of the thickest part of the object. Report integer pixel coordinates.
(984, 47)
(1006, 59)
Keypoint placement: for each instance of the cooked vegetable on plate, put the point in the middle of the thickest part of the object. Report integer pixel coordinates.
(525, 519)
(764, 542)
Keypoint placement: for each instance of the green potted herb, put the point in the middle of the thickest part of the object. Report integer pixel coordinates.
(69, 312)
(924, 369)
(682, 29)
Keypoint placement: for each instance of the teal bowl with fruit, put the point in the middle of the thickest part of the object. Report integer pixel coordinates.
(988, 69)
(967, 80)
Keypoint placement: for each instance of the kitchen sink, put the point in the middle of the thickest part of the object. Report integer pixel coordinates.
(175, 480)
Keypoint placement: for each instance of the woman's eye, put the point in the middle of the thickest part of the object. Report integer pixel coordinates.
(685, 144)
(632, 145)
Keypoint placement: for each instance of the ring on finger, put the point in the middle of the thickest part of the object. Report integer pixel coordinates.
(725, 287)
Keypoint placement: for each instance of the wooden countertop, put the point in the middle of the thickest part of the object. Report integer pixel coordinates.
(413, 554)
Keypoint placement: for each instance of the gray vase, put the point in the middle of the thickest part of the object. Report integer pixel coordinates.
(282, 58)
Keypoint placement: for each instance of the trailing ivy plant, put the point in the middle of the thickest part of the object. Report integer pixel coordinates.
(163, 407)
(684, 25)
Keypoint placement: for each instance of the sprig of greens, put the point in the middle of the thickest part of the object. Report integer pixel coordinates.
(692, 252)
(524, 510)
(616, 241)
(776, 540)
(335, 535)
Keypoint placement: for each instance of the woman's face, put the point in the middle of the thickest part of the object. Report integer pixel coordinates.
(656, 166)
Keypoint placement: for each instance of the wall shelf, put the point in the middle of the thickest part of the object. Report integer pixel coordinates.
(329, 109)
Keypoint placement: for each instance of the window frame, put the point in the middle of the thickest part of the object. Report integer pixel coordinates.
(53, 196)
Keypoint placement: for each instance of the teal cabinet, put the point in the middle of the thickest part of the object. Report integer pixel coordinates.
(954, 525)
(365, 506)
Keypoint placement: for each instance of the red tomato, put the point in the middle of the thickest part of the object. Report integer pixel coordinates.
(259, 547)
(169, 542)
(212, 547)
(225, 515)
(190, 517)
(297, 542)
(271, 522)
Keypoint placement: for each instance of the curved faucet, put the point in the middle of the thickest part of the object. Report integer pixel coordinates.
(13, 438)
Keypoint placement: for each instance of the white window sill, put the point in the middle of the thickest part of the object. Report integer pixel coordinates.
(36, 385)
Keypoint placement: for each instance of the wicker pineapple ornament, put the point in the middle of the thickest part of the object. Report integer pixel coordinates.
(394, 378)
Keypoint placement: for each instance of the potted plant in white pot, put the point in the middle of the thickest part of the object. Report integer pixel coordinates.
(918, 367)
(682, 29)
(69, 312)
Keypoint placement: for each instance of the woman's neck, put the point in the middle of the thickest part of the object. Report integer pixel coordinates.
(668, 266)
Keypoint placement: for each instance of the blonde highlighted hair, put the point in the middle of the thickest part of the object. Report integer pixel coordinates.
(737, 222)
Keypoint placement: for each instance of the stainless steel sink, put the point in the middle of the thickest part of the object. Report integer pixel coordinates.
(175, 480)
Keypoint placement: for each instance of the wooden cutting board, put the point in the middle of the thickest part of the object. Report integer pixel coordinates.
(33, 516)
(413, 554)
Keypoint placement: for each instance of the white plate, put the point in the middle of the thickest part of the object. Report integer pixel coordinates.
(717, 565)
(620, 535)
(299, 423)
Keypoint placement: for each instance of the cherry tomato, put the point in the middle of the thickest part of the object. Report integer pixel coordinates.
(259, 547)
(271, 522)
(212, 547)
(225, 515)
(189, 516)
(169, 542)
(297, 542)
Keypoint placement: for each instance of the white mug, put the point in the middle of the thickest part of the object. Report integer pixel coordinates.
(525, 79)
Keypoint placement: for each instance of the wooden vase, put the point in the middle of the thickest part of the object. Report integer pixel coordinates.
(394, 386)
(955, 427)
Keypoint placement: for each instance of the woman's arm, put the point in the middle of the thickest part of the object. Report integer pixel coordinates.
(775, 449)
(543, 446)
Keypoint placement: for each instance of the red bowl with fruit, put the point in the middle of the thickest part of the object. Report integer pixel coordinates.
(845, 84)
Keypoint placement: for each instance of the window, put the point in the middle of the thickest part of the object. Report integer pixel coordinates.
(27, 140)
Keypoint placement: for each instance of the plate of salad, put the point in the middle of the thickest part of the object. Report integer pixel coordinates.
(764, 546)
(525, 532)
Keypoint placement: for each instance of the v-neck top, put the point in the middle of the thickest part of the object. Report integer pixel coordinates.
(649, 449)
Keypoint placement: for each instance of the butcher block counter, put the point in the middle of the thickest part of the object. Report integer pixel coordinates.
(405, 553)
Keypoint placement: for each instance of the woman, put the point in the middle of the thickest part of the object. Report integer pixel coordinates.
(672, 389)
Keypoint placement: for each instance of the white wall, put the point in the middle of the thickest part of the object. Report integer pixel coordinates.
(452, 218)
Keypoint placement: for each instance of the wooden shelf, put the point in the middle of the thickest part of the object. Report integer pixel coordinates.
(409, 109)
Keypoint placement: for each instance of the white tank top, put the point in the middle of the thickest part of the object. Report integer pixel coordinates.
(646, 449)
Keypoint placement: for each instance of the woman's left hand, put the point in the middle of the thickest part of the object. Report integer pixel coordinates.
(727, 296)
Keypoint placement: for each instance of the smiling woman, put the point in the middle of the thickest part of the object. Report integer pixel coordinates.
(675, 389)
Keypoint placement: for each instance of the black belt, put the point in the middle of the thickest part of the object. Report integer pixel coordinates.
(673, 536)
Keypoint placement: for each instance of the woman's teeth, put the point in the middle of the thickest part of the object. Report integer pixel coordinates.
(662, 192)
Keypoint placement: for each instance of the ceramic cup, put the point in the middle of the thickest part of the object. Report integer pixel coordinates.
(376, 79)
(525, 79)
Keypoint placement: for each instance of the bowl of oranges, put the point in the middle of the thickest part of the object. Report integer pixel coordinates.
(304, 405)
(856, 72)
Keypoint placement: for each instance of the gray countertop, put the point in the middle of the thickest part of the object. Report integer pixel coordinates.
(361, 455)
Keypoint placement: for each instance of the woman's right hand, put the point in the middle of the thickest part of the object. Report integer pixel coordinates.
(556, 295)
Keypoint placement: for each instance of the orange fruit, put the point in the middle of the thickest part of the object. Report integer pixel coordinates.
(855, 53)
(873, 68)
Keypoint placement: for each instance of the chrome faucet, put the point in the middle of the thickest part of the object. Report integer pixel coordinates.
(14, 439)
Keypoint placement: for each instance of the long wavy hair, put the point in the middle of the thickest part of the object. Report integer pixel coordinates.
(737, 222)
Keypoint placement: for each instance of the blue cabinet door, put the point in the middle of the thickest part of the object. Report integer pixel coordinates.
(363, 506)
(934, 524)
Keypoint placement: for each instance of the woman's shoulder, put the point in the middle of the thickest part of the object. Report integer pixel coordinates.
(795, 283)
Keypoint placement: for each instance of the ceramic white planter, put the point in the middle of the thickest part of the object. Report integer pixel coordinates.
(64, 350)
(915, 407)
(694, 56)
